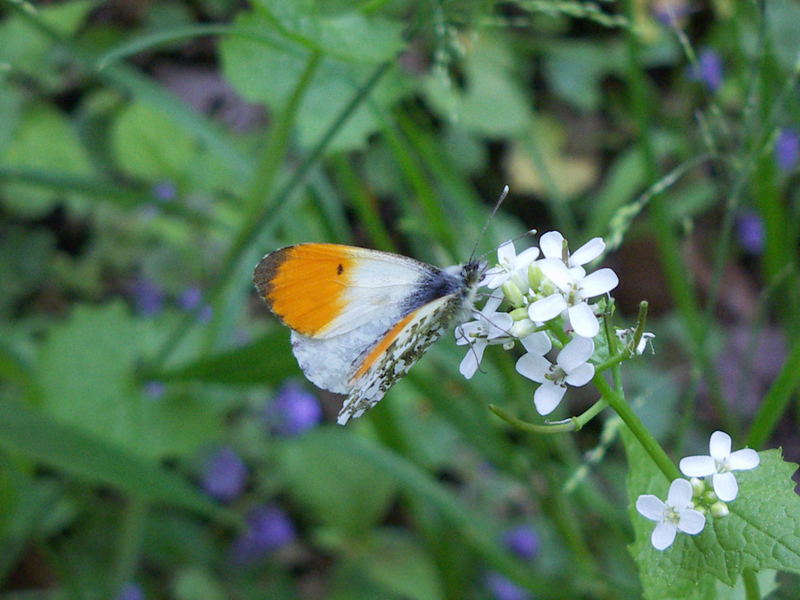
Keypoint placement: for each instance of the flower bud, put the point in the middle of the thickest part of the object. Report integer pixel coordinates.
(698, 487)
(513, 294)
(719, 509)
(535, 276)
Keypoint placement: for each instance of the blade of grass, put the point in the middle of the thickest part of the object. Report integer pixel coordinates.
(777, 400)
(40, 438)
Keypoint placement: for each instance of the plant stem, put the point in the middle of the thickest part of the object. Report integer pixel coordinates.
(571, 424)
(651, 446)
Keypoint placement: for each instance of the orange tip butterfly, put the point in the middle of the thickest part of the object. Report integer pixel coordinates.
(361, 318)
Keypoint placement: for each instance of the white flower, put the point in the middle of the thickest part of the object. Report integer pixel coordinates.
(552, 245)
(626, 337)
(720, 464)
(489, 327)
(674, 514)
(509, 265)
(571, 368)
(575, 288)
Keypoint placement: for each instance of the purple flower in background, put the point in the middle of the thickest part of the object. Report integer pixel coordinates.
(522, 541)
(787, 149)
(154, 389)
(225, 475)
(708, 69)
(190, 298)
(148, 297)
(750, 231)
(293, 411)
(268, 529)
(502, 588)
(165, 191)
(131, 591)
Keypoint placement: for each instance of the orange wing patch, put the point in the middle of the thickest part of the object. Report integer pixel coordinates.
(304, 285)
(381, 346)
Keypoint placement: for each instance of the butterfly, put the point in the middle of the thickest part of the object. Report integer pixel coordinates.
(361, 318)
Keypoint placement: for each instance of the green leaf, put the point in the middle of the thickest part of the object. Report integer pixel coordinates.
(87, 377)
(43, 139)
(394, 560)
(761, 532)
(267, 360)
(267, 73)
(339, 487)
(492, 103)
(26, 50)
(91, 458)
(346, 35)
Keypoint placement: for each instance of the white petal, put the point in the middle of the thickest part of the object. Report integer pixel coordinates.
(465, 332)
(698, 466)
(725, 486)
(499, 325)
(494, 278)
(743, 460)
(650, 507)
(691, 521)
(663, 536)
(537, 343)
(533, 366)
(680, 493)
(599, 282)
(574, 354)
(526, 257)
(557, 272)
(589, 251)
(506, 252)
(720, 445)
(469, 364)
(547, 397)
(493, 302)
(547, 308)
(552, 244)
(581, 375)
(583, 320)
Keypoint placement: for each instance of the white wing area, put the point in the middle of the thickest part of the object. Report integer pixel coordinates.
(330, 362)
(345, 354)
(378, 286)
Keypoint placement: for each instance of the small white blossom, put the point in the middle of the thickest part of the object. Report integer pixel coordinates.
(571, 368)
(490, 327)
(677, 513)
(552, 245)
(510, 265)
(574, 289)
(719, 465)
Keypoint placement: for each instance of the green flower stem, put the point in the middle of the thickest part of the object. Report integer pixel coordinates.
(134, 518)
(751, 591)
(651, 446)
(571, 424)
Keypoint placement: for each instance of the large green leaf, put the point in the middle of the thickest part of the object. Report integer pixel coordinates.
(761, 532)
(91, 458)
(267, 360)
(351, 45)
(44, 138)
(87, 375)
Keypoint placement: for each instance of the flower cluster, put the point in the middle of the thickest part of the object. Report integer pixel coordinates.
(552, 302)
(688, 502)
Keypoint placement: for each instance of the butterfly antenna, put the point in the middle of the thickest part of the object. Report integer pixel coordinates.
(497, 204)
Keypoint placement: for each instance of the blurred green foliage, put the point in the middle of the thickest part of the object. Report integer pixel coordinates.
(151, 150)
